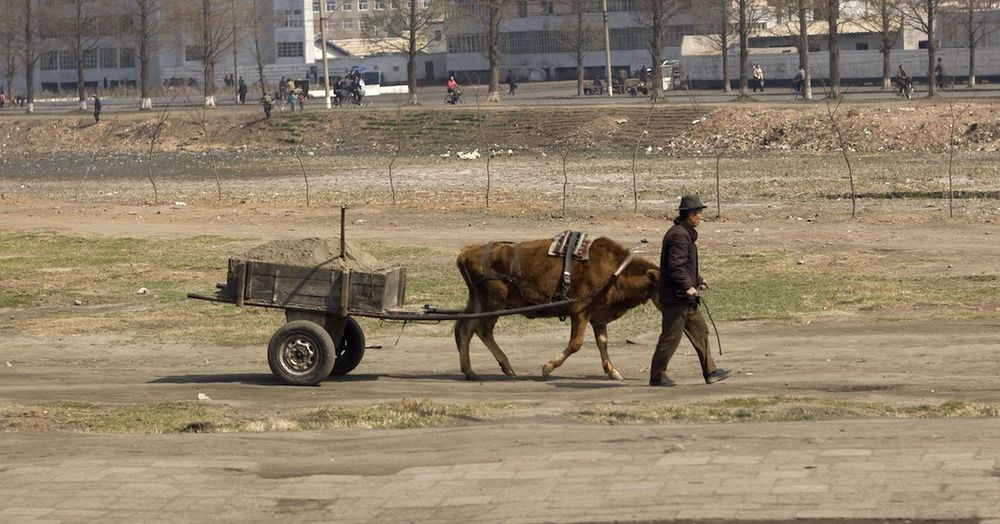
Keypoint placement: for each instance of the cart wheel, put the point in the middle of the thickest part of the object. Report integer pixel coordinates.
(351, 349)
(301, 353)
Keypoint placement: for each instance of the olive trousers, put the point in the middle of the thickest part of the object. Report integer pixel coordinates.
(681, 319)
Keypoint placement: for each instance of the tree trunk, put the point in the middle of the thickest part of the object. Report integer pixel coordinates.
(834, 18)
(932, 87)
(578, 45)
(494, 54)
(744, 52)
(804, 49)
(411, 59)
(655, 54)
(82, 96)
(972, 66)
(144, 59)
(886, 66)
(29, 60)
(724, 41)
(209, 88)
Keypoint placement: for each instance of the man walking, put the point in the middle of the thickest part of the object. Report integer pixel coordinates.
(243, 91)
(97, 109)
(680, 283)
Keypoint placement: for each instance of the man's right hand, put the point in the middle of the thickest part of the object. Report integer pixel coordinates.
(692, 292)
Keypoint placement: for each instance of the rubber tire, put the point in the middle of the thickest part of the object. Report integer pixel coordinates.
(351, 349)
(317, 335)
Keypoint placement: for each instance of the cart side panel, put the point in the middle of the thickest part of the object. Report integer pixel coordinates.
(377, 291)
(293, 286)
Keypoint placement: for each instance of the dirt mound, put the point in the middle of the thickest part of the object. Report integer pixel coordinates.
(923, 127)
(313, 252)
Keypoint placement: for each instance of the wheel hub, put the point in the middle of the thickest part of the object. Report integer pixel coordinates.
(299, 355)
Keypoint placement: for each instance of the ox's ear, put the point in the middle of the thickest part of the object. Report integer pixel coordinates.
(653, 275)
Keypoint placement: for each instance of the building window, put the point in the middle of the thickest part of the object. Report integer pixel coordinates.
(547, 7)
(861, 46)
(362, 5)
(348, 5)
(290, 17)
(522, 8)
(437, 35)
(348, 24)
(331, 5)
(50, 61)
(66, 60)
(90, 59)
(380, 5)
(126, 58)
(620, 5)
(291, 49)
(192, 53)
(109, 58)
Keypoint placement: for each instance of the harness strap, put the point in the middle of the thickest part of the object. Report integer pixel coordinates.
(515, 265)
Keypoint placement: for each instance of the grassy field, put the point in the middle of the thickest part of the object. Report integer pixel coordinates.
(213, 417)
(46, 273)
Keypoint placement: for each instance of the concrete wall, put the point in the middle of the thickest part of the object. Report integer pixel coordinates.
(392, 67)
(860, 66)
(546, 66)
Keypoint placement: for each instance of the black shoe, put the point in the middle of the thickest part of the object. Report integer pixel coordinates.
(717, 375)
(663, 382)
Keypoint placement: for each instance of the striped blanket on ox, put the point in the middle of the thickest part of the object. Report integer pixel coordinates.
(561, 243)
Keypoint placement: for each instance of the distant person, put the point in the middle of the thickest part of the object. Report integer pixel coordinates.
(511, 83)
(97, 109)
(281, 88)
(800, 80)
(939, 73)
(903, 81)
(758, 78)
(243, 91)
(3, 98)
(598, 86)
(290, 90)
(267, 103)
(300, 97)
(452, 85)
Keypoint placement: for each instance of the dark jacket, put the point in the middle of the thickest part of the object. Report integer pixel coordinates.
(679, 263)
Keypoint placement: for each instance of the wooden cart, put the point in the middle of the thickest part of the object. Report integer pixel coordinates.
(320, 338)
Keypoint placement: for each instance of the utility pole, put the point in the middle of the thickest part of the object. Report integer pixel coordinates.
(607, 47)
(326, 64)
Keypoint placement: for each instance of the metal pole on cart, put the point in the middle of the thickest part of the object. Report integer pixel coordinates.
(343, 249)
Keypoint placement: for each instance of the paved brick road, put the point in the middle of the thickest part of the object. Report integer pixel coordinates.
(535, 471)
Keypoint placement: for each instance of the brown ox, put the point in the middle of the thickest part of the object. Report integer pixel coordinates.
(602, 297)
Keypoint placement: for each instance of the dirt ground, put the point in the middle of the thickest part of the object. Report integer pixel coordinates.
(794, 204)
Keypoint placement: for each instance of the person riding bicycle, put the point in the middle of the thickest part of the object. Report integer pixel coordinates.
(904, 80)
(454, 93)
(800, 80)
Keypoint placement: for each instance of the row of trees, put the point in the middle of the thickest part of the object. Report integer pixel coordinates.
(207, 28)
(730, 24)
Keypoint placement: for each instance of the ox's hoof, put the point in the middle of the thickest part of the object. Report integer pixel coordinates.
(509, 372)
(546, 370)
(615, 375)
(471, 376)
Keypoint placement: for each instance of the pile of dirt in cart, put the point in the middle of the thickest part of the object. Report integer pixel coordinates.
(313, 252)
(904, 126)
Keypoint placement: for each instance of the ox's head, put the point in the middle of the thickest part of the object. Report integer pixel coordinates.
(653, 287)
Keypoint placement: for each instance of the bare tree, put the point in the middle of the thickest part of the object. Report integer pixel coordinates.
(718, 22)
(28, 46)
(831, 111)
(141, 32)
(833, 40)
(975, 26)
(8, 40)
(656, 15)
(580, 33)
(407, 26)
(882, 18)
(259, 16)
(74, 23)
(922, 16)
(801, 8)
(206, 22)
